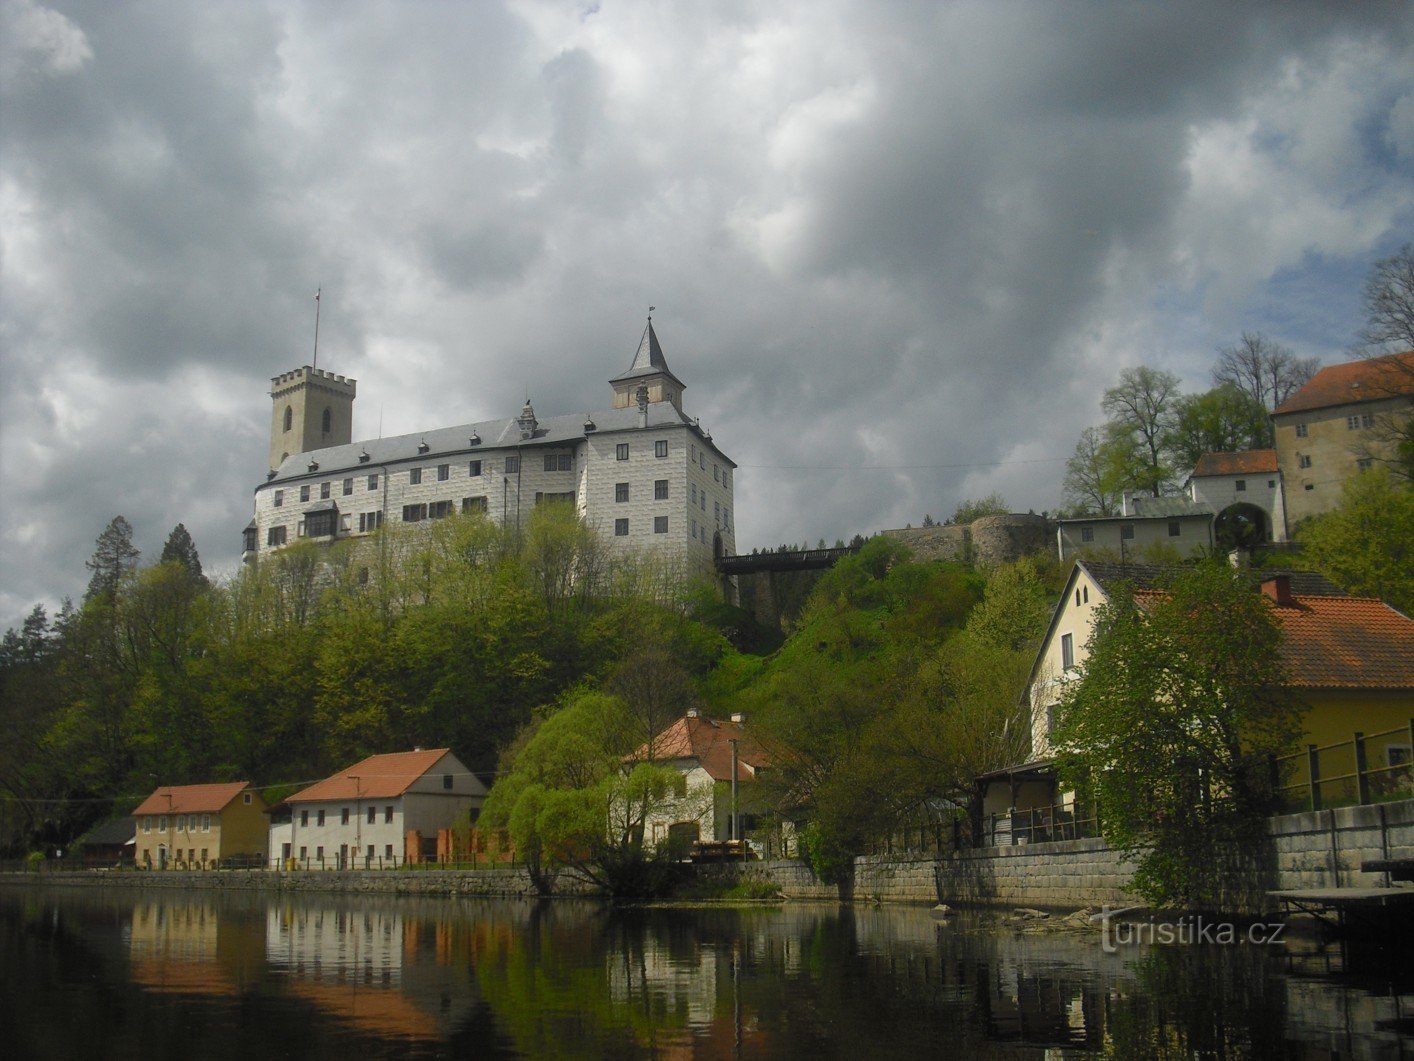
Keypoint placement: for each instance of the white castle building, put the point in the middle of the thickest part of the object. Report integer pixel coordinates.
(644, 474)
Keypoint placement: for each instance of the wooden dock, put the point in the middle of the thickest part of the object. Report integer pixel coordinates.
(1353, 909)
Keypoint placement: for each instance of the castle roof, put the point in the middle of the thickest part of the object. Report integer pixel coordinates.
(1245, 462)
(505, 433)
(648, 360)
(1367, 380)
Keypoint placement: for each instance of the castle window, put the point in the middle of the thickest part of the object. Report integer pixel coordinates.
(692, 493)
(716, 473)
(348, 487)
(702, 499)
(279, 498)
(304, 492)
(275, 536)
(725, 481)
(414, 476)
(319, 524)
(473, 469)
(328, 422)
(702, 460)
(716, 511)
(565, 497)
(692, 453)
(249, 538)
(368, 522)
(363, 576)
(660, 524)
(324, 491)
(1303, 460)
(620, 528)
(726, 516)
(513, 465)
(660, 448)
(621, 492)
(558, 462)
(289, 418)
(621, 451)
(439, 510)
(444, 472)
(373, 482)
(1300, 430)
(473, 504)
(660, 489)
(414, 513)
(1240, 485)
(693, 533)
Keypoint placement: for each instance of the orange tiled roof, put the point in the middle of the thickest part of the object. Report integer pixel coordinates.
(377, 777)
(708, 741)
(191, 799)
(1346, 643)
(1245, 462)
(1353, 382)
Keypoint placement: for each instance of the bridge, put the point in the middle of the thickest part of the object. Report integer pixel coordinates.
(794, 560)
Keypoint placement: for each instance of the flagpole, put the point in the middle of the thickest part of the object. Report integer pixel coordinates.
(316, 326)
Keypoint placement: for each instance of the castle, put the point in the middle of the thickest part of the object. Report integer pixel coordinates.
(643, 473)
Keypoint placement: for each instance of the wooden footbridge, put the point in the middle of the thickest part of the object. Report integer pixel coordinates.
(791, 560)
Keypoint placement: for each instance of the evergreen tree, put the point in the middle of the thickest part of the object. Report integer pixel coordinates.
(180, 549)
(114, 555)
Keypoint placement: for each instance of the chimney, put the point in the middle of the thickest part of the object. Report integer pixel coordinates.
(1278, 588)
(692, 712)
(1126, 503)
(739, 718)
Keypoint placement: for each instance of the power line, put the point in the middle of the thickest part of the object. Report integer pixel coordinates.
(899, 467)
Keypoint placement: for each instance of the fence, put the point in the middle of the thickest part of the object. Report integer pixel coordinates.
(1036, 825)
(1341, 774)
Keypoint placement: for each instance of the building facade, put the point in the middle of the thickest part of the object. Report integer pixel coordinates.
(644, 474)
(1243, 488)
(1143, 524)
(196, 826)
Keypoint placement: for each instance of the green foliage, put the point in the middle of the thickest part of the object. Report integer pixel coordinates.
(976, 508)
(1169, 727)
(1366, 543)
(1222, 420)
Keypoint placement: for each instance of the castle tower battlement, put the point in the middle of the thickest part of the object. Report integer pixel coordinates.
(310, 409)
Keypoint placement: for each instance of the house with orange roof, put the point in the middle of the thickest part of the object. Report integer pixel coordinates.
(198, 826)
(383, 811)
(1339, 423)
(1244, 490)
(707, 753)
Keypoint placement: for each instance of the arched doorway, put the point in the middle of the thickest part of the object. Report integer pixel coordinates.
(1241, 526)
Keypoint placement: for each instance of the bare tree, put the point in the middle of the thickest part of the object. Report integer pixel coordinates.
(1142, 404)
(1389, 304)
(1089, 483)
(1262, 369)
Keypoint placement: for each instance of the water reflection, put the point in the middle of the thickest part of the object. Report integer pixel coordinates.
(328, 975)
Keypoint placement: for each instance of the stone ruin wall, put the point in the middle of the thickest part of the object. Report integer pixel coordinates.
(988, 541)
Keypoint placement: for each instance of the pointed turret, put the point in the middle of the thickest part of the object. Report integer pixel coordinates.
(649, 369)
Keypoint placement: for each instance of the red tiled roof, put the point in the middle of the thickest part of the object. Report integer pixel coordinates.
(1246, 462)
(377, 777)
(708, 741)
(1355, 381)
(191, 799)
(1346, 643)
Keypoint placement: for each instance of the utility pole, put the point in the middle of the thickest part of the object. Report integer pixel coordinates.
(736, 821)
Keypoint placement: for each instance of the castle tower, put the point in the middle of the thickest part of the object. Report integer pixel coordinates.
(649, 369)
(310, 409)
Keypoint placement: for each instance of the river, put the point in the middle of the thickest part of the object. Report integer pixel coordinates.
(126, 972)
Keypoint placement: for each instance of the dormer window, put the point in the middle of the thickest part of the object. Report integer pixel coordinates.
(423, 447)
(363, 457)
(314, 466)
(474, 440)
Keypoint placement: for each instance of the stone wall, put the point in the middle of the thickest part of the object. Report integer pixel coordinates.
(1324, 849)
(988, 541)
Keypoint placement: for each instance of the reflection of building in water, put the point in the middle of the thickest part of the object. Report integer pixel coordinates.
(187, 947)
(373, 967)
(682, 984)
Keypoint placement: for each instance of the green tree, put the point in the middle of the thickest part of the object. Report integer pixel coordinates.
(1366, 543)
(1222, 420)
(114, 557)
(975, 508)
(180, 549)
(1141, 410)
(1091, 486)
(1170, 725)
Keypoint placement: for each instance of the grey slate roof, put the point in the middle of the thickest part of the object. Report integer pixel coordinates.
(649, 358)
(494, 434)
(118, 831)
(1157, 576)
(1153, 508)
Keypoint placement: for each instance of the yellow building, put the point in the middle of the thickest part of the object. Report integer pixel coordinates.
(196, 826)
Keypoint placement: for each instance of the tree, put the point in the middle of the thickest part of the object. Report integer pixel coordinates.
(1141, 406)
(1389, 304)
(975, 508)
(1366, 543)
(1090, 485)
(1223, 420)
(1265, 371)
(114, 555)
(1170, 726)
(180, 549)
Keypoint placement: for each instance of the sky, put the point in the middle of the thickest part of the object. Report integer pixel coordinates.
(897, 250)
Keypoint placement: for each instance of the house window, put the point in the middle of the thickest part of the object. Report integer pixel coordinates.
(206, 823)
(324, 491)
(414, 513)
(279, 498)
(1085, 595)
(304, 819)
(1077, 598)
(1271, 484)
(1364, 464)
(348, 487)
(565, 497)
(1174, 528)
(388, 815)
(319, 853)
(203, 853)
(372, 815)
(388, 851)
(473, 504)
(304, 492)
(1087, 534)
(1300, 430)
(303, 852)
(513, 465)
(620, 528)
(473, 469)
(1308, 486)
(660, 448)
(414, 476)
(660, 524)
(439, 510)
(373, 482)
(1067, 651)
(275, 536)
(319, 524)
(621, 492)
(1240, 486)
(660, 489)
(621, 451)
(1352, 423)
(162, 823)
(1126, 531)
(559, 462)
(343, 816)
(444, 472)
(147, 823)
(447, 781)
(320, 823)
(1303, 460)
(369, 521)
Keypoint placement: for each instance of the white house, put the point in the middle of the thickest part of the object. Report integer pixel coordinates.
(369, 815)
(1245, 491)
(1143, 522)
